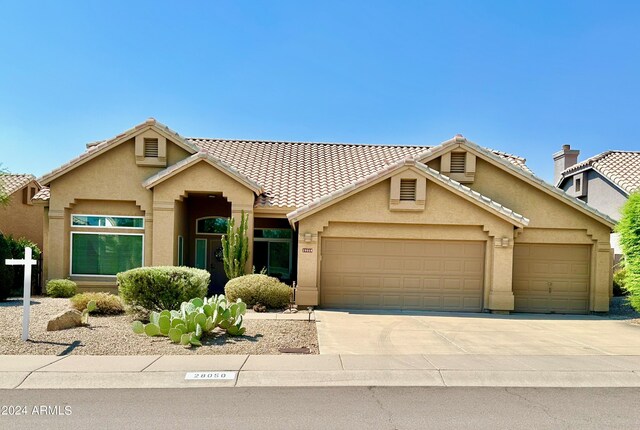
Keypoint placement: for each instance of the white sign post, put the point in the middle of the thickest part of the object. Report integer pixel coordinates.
(27, 262)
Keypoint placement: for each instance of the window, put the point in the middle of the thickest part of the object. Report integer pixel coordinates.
(105, 254)
(201, 253)
(151, 148)
(106, 221)
(272, 251)
(408, 190)
(458, 162)
(578, 185)
(211, 225)
(180, 251)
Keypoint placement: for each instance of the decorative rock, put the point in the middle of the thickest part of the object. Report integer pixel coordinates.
(67, 319)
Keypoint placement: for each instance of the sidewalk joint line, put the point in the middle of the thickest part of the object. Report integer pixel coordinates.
(22, 382)
(341, 363)
(147, 366)
(442, 378)
(53, 362)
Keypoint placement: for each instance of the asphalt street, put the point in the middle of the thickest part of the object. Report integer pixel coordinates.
(323, 408)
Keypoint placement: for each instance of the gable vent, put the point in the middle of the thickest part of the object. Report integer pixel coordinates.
(458, 161)
(151, 148)
(408, 189)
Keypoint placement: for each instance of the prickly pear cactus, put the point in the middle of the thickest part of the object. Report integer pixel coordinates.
(195, 318)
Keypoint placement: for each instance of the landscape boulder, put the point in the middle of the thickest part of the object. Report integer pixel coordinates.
(67, 319)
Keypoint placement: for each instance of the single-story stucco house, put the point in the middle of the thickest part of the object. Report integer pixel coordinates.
(453, 227)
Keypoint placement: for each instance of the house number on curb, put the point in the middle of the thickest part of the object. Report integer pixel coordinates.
(210, 375)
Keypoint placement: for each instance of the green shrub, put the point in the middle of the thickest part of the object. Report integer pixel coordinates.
(6, 272)
(61, 288)
(619, 288)
(106, 303)
(629, 229)
(261, 289)
(12, 277)
(162, 287)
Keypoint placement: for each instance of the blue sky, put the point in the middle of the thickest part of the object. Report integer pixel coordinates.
(522, 77)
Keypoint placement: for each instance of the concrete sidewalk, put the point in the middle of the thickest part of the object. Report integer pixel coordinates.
(82, 371)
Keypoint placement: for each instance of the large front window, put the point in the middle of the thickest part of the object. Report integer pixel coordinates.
(105, 253)
(106, 250)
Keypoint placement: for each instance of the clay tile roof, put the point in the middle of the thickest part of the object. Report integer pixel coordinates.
(294, 174)
(434, 174)
(43, 195)
(620, 167)
(10, 183)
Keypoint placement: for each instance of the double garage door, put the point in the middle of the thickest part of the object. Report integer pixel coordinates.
(402, 274)
(448, 275)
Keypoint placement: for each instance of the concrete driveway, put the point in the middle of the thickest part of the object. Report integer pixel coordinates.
(366, 332)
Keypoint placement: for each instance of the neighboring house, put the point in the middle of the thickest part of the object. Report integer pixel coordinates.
(20, 217)
(454, 227)
(603, 181)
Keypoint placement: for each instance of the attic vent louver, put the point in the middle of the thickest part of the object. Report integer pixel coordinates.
(458, 161)
(408, 190)
(150, 148)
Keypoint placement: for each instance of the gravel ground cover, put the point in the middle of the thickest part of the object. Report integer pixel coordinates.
(620, 309)
(112, 335)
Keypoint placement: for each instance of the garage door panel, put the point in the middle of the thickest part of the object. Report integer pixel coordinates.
(472, 285)
(551, 278)
(408, 274)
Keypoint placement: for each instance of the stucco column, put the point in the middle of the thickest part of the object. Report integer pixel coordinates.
(308, 264)
(501, 293)
(603, 262)
(55, 252)
(236, 214)
(163, 234)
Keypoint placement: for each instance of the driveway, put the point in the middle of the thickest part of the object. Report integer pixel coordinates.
(366, 332)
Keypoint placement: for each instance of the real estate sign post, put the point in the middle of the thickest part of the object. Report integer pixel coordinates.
(27, 262)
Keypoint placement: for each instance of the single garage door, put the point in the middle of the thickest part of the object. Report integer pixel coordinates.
(402, 274)
(551, 278)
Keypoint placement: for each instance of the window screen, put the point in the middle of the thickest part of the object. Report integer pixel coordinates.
(105, 254)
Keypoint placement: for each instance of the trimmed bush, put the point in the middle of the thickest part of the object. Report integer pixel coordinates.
(61, 288)
(106, 303)
(629, 229)
(262, 289)
(161, 287)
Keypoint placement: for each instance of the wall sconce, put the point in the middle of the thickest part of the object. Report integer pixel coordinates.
(307, 237)
(505, 242)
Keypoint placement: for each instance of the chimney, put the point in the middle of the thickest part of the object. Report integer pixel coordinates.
(562, 160)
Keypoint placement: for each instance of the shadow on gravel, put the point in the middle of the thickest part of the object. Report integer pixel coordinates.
(222, 339)
(69, 346)
(12, 303)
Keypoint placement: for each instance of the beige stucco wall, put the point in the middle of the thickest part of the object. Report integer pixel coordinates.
(553, 221)
(105, 185)
(446, 216)
(22, 220)
(201, 177)
(367, 214)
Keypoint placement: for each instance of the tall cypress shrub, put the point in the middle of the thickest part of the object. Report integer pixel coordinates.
(6, 272)
(629, 229)
(235, 247)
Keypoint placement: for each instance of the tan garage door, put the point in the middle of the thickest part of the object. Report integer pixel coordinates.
(551, 278)
(402, 274)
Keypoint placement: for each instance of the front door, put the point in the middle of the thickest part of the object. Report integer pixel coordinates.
(209, 257)
(216, 267)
